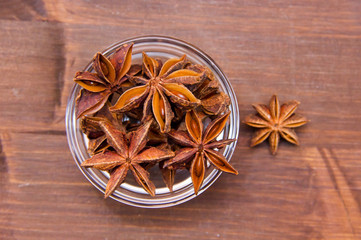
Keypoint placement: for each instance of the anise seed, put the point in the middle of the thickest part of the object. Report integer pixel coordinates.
(104, 68)
(132, 98)
(162, 108)
(91, 83)
(194, 127)
(179, 94)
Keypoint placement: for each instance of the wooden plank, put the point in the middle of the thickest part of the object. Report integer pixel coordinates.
(32, 78)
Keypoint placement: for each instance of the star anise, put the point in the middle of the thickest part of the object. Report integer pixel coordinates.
(209, 86)
(168, 173)
(274, 121)
(213, 101)
(129, 153)
(97, 139)
(199, 146)
(216, 103)
(91, 127)
(139, 116)
(108, 77)
(161, 84)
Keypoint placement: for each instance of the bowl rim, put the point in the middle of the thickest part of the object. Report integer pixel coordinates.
(215, 174)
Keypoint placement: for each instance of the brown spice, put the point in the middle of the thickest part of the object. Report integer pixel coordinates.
(199, 147)
(130, 114)
(275, 121)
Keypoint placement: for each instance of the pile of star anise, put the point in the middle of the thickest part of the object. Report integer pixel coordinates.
(161, 112)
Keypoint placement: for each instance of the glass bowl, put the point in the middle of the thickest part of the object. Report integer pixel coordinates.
(130, 192)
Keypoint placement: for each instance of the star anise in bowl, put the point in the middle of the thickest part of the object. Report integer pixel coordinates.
(158, 113)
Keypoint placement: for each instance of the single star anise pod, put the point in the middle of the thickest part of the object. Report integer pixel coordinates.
(199, 146)
(129, 154)
(274, 121)
(108, 77)
(161, 84)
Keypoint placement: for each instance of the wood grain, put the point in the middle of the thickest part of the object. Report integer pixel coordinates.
(303, 50)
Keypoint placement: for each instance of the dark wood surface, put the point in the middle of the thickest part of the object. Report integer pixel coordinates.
(304, 50)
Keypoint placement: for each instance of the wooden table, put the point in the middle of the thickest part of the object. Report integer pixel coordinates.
(304, 50)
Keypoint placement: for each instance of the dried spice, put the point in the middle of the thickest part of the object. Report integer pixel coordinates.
(213, 101)
(199, 146)
(108, 77)
(275, 121)
(90, 127)
(128, 155)
(160, 84)
(215, 104)
(140, 116)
